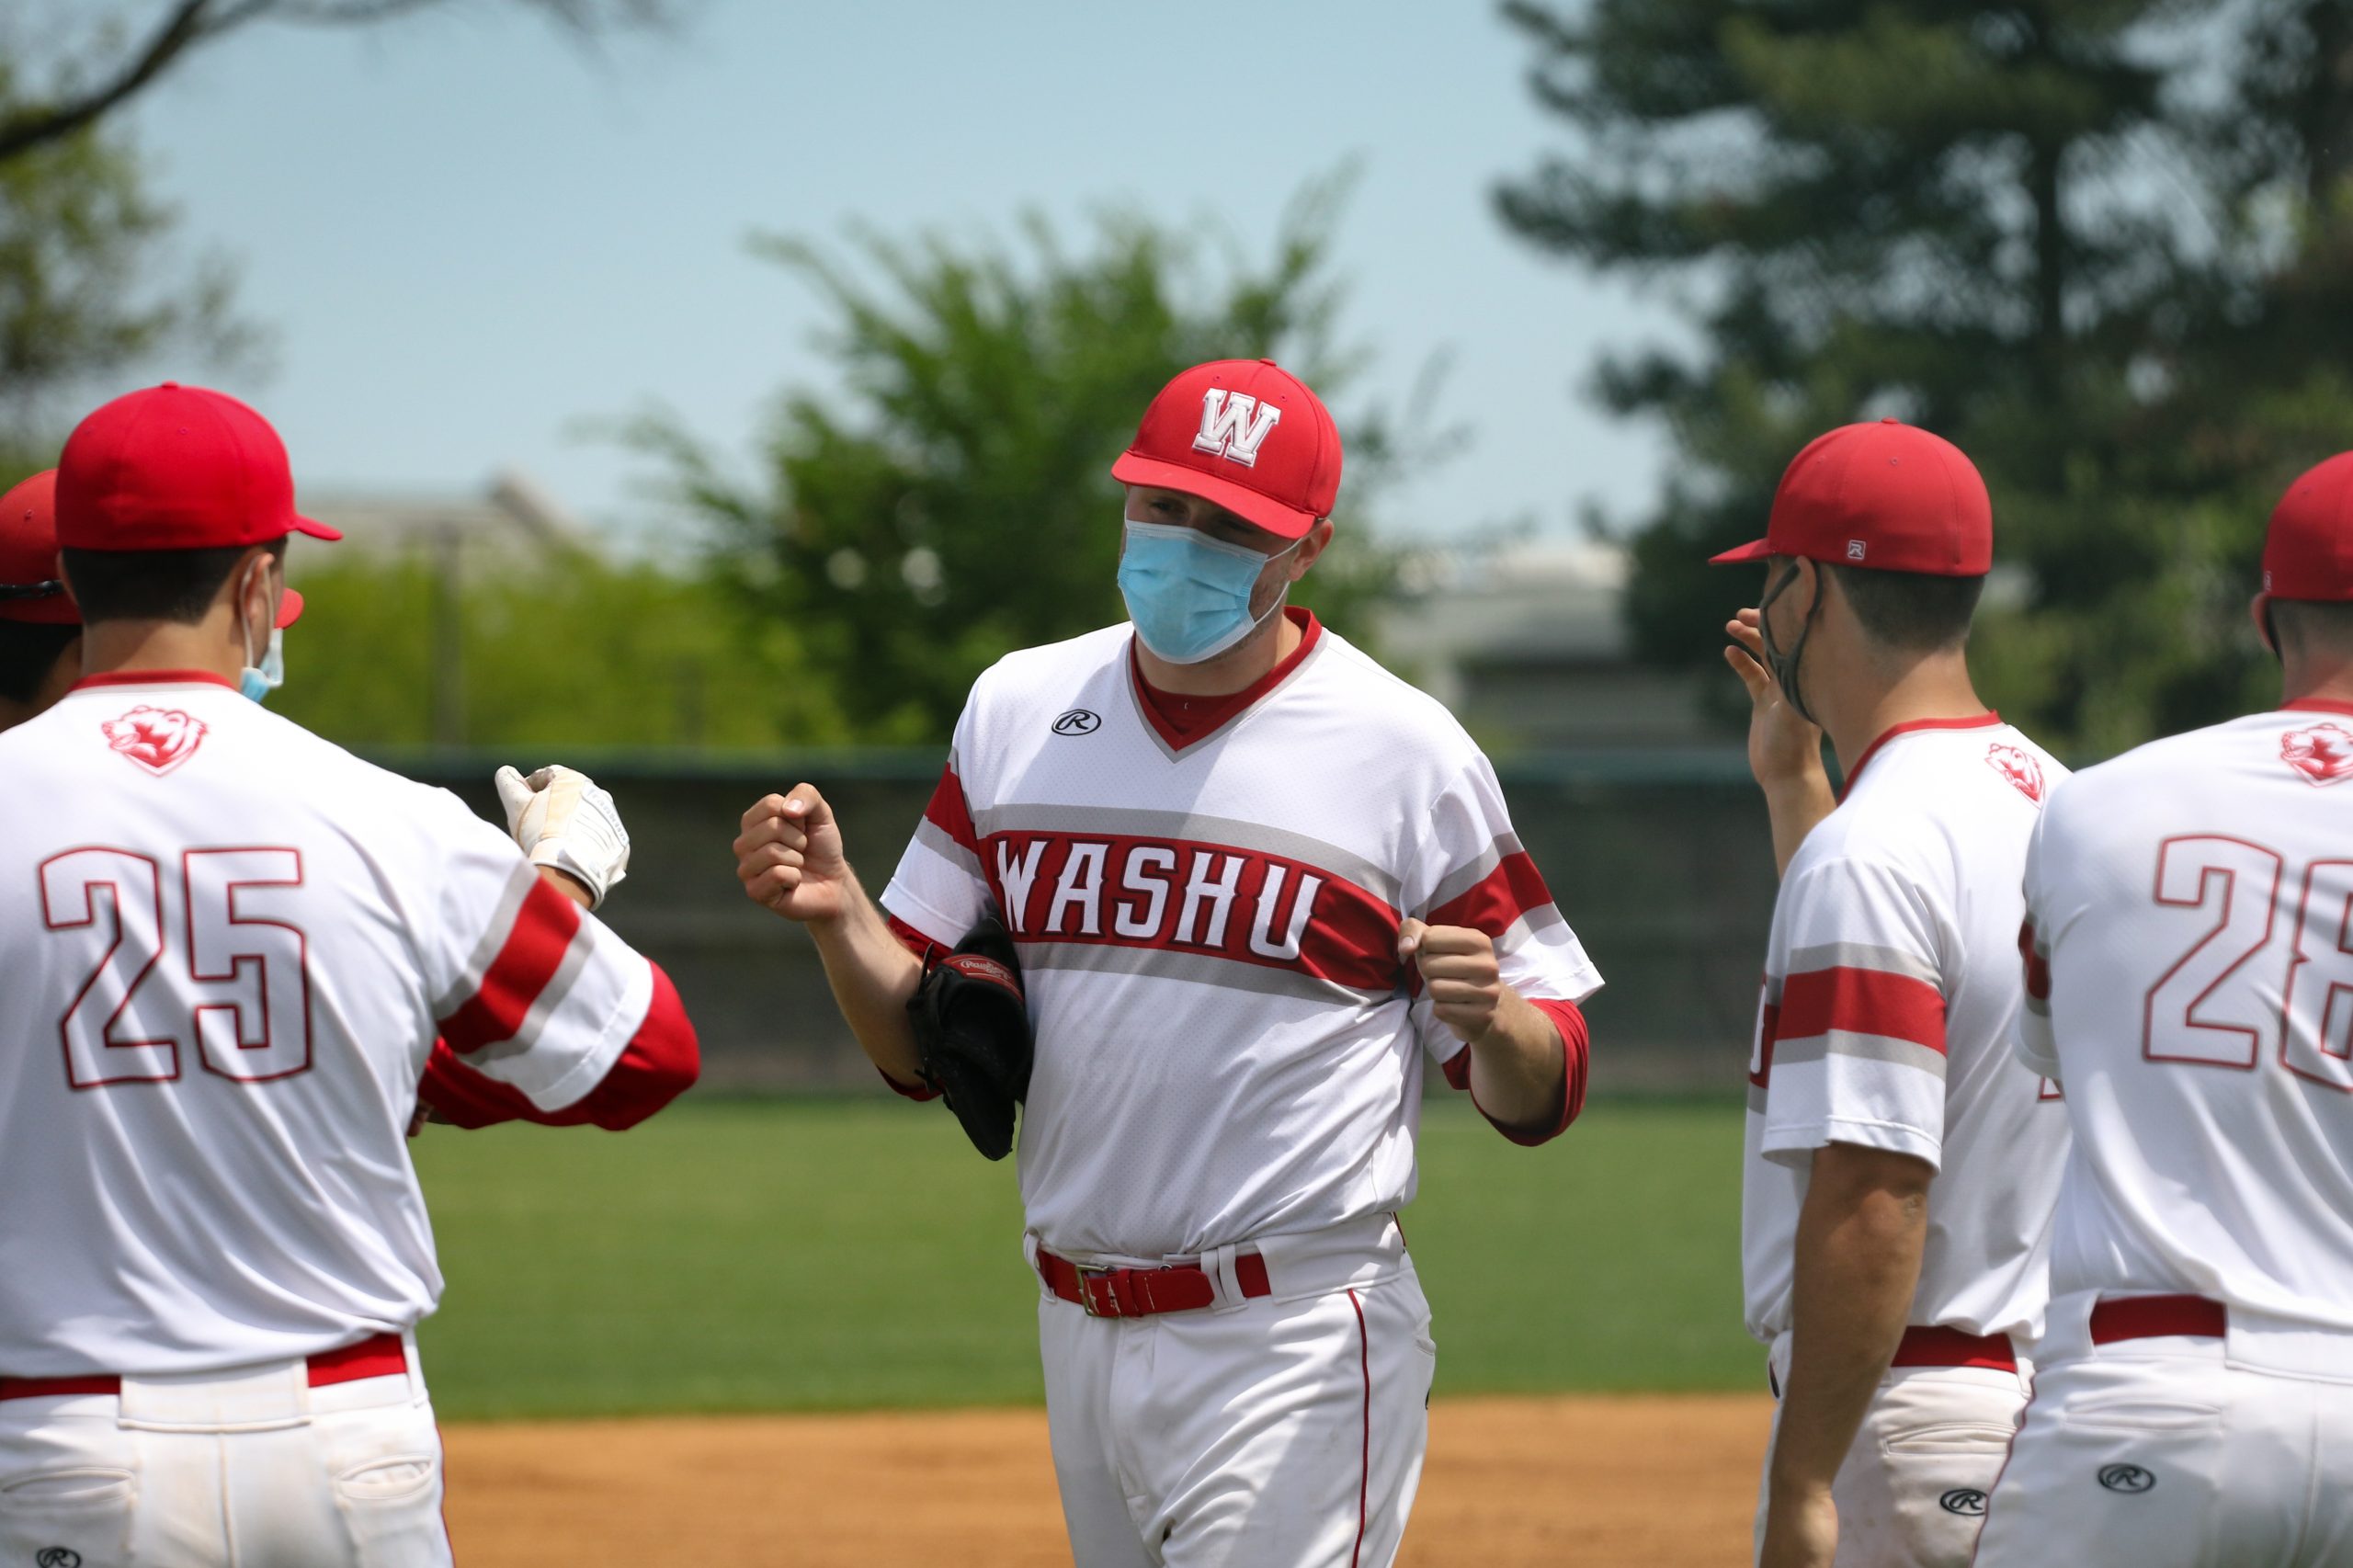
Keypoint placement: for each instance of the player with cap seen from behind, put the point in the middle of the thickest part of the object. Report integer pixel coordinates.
(1900, 1167)
(2189, 980)
(230, 946)
(1253, 883)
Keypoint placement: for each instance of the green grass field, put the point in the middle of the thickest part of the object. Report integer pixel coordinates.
(812, 1254)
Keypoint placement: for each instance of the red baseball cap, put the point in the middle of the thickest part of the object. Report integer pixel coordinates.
(1889, 496)
(1245, 434)
(176, 468)
(2308, 548)
(28, 555)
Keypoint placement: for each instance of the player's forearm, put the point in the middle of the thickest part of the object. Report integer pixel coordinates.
(1858, 1244)
(1520, 1066)
(1796, 805)
(872, 974)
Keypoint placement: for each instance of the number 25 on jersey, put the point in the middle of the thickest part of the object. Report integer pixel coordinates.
(199, 955)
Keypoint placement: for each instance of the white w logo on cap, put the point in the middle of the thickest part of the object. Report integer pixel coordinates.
(1234, 424)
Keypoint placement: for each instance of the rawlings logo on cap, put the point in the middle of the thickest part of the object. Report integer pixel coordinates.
(2323, 754)
(1234, 424)
(2019, 768)
(157, 739)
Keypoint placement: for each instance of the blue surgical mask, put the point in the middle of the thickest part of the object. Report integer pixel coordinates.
(1188, 594)
(257, 681)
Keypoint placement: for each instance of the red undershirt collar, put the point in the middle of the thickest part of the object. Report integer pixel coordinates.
(154, 678)
(1182, 720)
(1976, 721)
(2316, 705)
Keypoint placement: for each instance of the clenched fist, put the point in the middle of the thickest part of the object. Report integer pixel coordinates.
(1459, 968)
(789, 856)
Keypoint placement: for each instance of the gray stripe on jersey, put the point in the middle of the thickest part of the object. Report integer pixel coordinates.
(1755, 1100)
(1864, 1047)
(932, 837)
(1137, 822)
(1862, 955)
(1517, 935)
(1462, 879)
(567, 973)
(1204, 968)
(494, 938)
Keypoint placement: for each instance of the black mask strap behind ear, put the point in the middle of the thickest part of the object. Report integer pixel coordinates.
(1784, 665)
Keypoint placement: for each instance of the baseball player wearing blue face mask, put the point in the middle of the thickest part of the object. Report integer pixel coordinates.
(1255, 884)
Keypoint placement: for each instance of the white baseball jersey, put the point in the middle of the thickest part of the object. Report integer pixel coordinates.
(2191, 942)
(227, 944)
(1891, 986)
(1227, 1044)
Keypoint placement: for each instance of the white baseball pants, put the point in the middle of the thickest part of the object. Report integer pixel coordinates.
(254, 1469)
(1287, 1429)
(1914, 1489)
(2158, 1453)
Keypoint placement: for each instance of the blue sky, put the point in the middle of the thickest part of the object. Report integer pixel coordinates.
(473, 238)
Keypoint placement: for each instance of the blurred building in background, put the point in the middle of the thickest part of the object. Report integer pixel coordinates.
(1526, 642)
(513, 520)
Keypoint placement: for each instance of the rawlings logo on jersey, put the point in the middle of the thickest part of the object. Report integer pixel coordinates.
(1235, 426)
(2019, 768)
(2323, 754)
(157, 739)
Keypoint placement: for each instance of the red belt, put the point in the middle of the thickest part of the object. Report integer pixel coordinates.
(379, 1356)
(2158, 1317)
(1144, 1292)
(1951, 1347)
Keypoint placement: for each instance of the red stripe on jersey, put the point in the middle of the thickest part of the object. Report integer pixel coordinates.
(950, 812)
(1768, 1029)
(534, 948)
(153, 678)
(661, 1062)
(2038, 968)
(1862, 1001)
(1347, 935)
(1513, 889)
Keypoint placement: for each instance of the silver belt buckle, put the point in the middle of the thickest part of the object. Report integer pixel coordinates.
(1087, 1296)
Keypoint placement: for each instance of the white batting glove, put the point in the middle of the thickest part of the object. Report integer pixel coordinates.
(562, 818)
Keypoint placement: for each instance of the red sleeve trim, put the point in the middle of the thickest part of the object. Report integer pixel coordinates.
(915, 941)
(661, 1062)
(1498, 901)
(2038, 968)
(950, 812)
(543, 933)
(1862, 1001)
(913, 1092)
(923, 947)
(1568, 1021)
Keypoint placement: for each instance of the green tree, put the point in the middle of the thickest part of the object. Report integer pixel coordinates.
(2099, 244)
(90, 285)
(580, 652)
(953, 499)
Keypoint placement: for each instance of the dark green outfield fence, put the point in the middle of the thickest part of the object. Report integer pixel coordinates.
(1661, 860)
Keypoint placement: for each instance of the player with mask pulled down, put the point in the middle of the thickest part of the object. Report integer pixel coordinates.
(1253, 883)
(230, 946)
(1900, 1167)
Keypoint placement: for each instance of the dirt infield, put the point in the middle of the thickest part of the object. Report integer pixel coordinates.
(1662, 1482)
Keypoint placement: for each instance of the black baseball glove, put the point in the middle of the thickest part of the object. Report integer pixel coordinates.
(972, 1033)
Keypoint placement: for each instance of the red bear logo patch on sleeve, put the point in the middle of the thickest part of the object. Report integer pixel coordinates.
(2019, 768)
